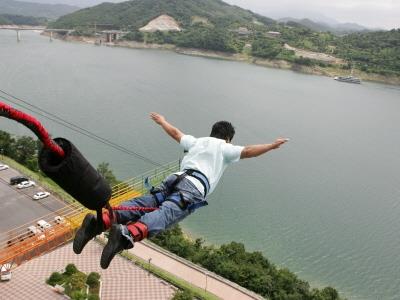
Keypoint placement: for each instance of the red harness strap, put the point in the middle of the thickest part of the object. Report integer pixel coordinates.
(138, 230)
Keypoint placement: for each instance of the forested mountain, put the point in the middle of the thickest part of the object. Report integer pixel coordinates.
(78, 3)
(21, 20)
(377, 52)
(50, 11)
(137, 13)
(216, 25)
(339, 28)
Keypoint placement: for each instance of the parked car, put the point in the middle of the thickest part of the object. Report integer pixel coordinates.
(33, 230)
(59, 220)
(3, 167)
(18, 179)
(25, 184)
(5, 272)
(5, 275)
(40, 195)
(43, 225)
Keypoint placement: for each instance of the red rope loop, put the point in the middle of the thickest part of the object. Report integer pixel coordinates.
(135, 208)
(33, 124)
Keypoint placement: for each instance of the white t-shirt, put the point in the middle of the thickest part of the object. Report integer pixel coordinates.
(210, 156)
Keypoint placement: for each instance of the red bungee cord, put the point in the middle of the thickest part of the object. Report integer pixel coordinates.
(43, 135)
(33, 124)
(135, 208)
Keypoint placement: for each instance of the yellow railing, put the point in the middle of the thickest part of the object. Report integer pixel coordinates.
(16, 244)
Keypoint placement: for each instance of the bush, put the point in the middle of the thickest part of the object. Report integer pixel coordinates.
(93, 279)
(70, 269)
(74, 283)
(304, 61)
(266, 48)
(135, 36)
(183, 295)
(93, 297)
(55, 278)
(203, 37)
(78, 295)
(78, 281)
(22, 149)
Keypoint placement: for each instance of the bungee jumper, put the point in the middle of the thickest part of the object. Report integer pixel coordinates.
(179, 195)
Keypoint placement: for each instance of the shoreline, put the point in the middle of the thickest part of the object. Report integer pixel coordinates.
(22, 27)
(276, 64)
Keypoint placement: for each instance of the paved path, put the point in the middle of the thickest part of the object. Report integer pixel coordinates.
(192, 273)
(121, 281)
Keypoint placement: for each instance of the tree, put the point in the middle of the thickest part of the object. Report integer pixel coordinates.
(266, 48)
(327, 293)
(204, 37)
(70, 269)
(55, 278)
(104, 169)
(6, 143)
(135, 35)
(78, 295)
(93, 279)
(78, 281)
(183, 295)
(25, 151)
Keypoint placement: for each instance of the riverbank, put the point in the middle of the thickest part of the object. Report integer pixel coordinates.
(22, 27)
(331, 71)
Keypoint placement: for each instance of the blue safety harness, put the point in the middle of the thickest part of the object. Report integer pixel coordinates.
(168, 190)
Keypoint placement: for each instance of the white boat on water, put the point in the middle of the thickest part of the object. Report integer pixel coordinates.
(348, 79)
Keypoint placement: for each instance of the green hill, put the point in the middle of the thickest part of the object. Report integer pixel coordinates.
(338, 29)
(50, 11)
(136, 13)
(6, 19)
(375, 52)
(216, 25)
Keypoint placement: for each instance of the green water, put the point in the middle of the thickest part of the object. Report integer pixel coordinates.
(326, 205)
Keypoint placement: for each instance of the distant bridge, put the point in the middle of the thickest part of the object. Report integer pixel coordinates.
(22, 28)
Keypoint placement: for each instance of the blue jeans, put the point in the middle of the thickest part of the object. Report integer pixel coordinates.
(168, 214)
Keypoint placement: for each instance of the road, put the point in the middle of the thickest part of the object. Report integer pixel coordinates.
(17, 206)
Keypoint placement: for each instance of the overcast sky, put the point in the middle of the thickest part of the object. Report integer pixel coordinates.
(371, 13)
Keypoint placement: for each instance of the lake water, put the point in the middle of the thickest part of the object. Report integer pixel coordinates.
(326, 205)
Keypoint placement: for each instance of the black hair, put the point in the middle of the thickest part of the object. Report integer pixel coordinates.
(223, 130)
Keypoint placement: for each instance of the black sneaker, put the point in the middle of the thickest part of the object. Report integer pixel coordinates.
(116, 243)
(88, 230)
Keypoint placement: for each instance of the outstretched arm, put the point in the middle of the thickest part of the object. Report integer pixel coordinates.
(256, 150)
(172, 131)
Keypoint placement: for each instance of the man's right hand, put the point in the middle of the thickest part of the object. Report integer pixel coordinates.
(172, 131)
(156, 117)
